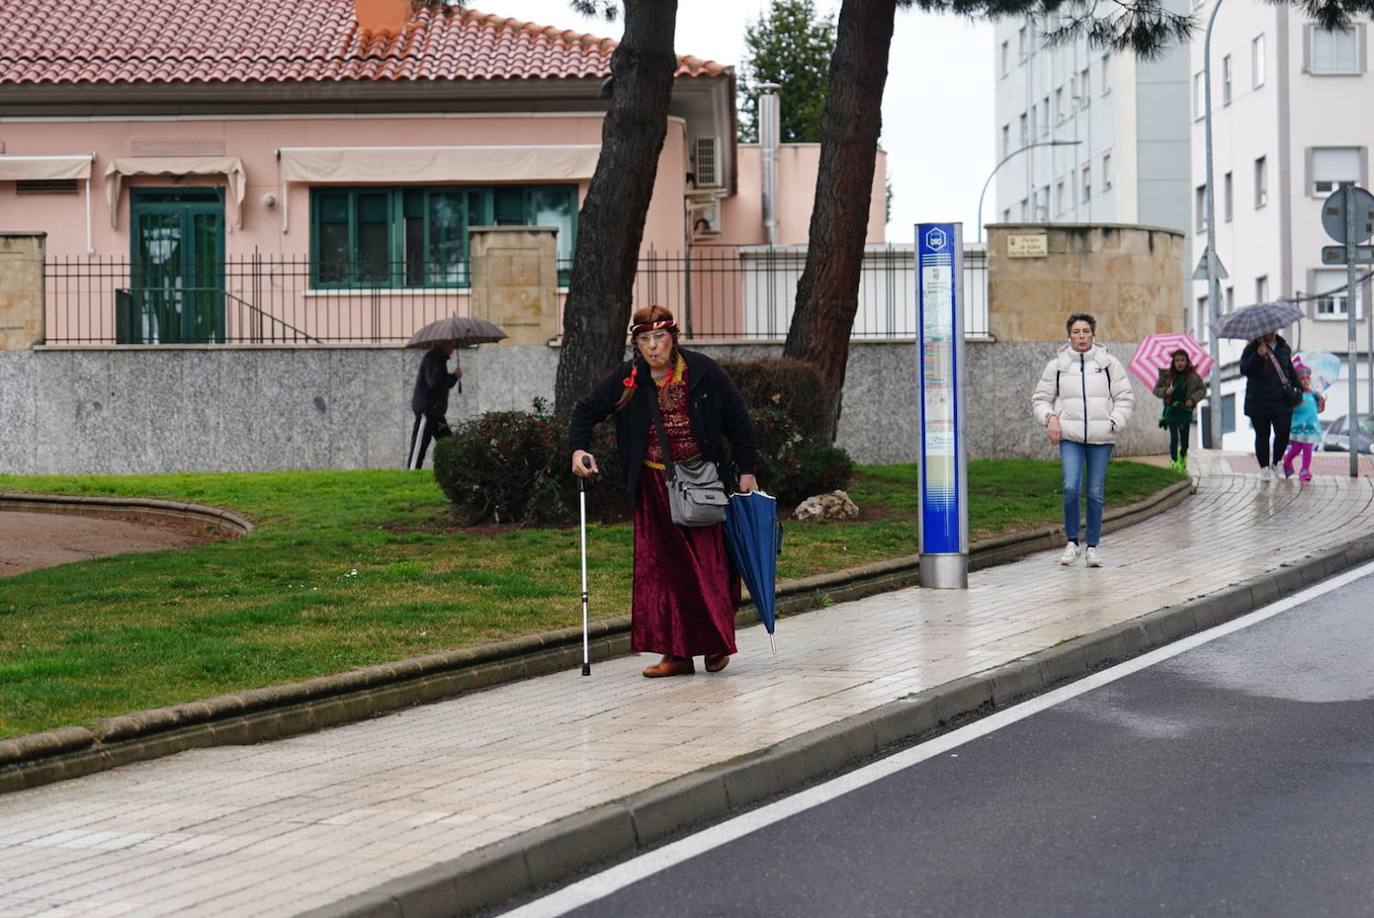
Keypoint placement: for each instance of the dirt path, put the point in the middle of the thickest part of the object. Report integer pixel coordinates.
(32, 540)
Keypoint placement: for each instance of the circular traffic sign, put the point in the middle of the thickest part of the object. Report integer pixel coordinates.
(1333, 214)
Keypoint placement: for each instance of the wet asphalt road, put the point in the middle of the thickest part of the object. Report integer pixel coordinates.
(1234, 779)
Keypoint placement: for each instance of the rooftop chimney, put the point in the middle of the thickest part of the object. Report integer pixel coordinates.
(769, 129)
(378, 16)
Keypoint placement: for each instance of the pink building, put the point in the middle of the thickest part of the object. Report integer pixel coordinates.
(271, 170)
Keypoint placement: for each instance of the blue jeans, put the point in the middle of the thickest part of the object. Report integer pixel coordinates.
(1075, 456)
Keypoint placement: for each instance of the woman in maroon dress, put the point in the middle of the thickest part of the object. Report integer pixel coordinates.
(685, 591)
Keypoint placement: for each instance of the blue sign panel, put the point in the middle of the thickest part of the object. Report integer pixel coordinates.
(939, 271)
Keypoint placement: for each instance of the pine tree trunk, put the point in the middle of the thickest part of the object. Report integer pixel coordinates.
(610, 226)
(828, 292)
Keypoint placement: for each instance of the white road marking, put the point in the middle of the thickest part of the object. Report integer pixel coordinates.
(618, 877)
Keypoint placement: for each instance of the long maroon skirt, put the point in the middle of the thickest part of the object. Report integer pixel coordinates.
(686, 591)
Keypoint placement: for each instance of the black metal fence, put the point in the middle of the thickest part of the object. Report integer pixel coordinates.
(718, 292)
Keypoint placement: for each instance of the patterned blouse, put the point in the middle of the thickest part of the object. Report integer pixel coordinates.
(677, 420)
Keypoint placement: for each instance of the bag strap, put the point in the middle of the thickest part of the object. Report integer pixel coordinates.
(662, 434)
(1283, 377)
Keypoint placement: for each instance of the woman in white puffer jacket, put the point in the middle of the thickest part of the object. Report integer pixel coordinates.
(1083, 399)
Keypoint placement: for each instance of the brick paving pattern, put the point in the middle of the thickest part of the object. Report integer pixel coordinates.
(283, 827)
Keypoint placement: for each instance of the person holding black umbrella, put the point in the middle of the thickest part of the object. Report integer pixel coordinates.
(429, 400)
(1267, 365)
(672, 407)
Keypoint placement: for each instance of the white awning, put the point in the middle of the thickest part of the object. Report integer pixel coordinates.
(429, 165)
(44, 168)
(229, 166)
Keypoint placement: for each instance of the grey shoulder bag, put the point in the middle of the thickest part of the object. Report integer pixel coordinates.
(696, 495)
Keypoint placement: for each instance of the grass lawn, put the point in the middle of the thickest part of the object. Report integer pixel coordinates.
(352, 568)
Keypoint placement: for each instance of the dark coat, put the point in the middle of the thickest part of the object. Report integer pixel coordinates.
(430, 396)
(1263, 386)
(717, 410)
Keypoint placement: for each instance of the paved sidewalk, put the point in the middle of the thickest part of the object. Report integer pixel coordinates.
(301, 823)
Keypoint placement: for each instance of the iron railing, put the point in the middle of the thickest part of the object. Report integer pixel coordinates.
(718, 292)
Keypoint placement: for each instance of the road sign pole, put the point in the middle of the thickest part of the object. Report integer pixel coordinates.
(1352, 354)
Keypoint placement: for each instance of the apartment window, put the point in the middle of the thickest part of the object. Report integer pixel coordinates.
(1331, 168)
(1106, 171)
(1061, 198)
(1042, 208)
(1085, 84)
(1006, 215)
(1230, 299)
(1226, 80)
(1257, 61)
(1226, 197)
(1059, 113)
(1035, 118)
(1087, 183)
(418, 237)
(1045, 111)
(1200, 208)
(1333, 51)
(1106, 63)
(1006, 139)
(1006, 58)
(1025, 131)
(1262, 289)
(1203, 316)
(1261, 183)
(1329, 286)
(1199, 100)
(1025, 210)
(1021, 44)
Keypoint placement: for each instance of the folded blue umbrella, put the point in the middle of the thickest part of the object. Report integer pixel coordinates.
(754, 538)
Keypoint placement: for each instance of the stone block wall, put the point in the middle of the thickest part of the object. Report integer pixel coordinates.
(515, 282)
(21, 290)
(1129, 277)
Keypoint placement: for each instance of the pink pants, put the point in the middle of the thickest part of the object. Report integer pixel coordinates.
(1293, 450)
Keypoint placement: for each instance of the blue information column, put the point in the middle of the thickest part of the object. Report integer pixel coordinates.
(940, 375)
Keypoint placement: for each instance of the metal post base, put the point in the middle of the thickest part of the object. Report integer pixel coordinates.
(944, 572)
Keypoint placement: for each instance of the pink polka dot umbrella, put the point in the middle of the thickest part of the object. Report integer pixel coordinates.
(1155, 352)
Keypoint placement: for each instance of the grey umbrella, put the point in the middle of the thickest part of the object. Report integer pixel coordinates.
(462, 330)
(1257, 320)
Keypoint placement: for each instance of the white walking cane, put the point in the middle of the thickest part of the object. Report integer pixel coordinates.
(582, 495)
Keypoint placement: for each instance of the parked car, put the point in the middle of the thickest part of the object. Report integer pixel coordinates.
(1337, 437)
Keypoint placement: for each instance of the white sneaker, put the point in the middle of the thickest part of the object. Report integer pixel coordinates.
(1266, 474)
(1093, 559)
(1069, 555)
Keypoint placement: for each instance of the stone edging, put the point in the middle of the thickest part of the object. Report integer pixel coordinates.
(549, 854)
(79, 504)
(278, 711)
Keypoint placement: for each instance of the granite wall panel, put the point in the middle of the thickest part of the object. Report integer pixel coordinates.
(18, 412)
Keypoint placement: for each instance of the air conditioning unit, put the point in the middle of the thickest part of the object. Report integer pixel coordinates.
(708, 162)
(705, 218)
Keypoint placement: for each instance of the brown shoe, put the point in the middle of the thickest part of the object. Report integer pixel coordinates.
(716, 662)
(670, 666)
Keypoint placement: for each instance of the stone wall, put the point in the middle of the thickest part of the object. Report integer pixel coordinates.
(1128, 277)
(515, 282)
(151, 409)
(21, 290)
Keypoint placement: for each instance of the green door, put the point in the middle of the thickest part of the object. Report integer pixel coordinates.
(176, 267)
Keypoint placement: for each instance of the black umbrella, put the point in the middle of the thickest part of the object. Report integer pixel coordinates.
(461, 330)
(1257, 320)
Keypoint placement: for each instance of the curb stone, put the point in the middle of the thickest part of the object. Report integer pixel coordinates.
(79, 504)
(485, 878)
(279, 711)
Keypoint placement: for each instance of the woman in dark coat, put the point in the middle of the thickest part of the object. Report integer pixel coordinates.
(1267, 364)
(685, 592)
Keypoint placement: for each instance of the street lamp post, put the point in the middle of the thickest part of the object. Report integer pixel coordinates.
(1210, 257)
(1013, 153)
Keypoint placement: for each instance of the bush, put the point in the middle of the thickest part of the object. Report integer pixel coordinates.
(791, 386)
(503, 467)
(791, 467)
(820, 469)
(607, 497)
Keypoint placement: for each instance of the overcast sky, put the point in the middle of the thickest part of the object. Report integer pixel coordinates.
(937, 112)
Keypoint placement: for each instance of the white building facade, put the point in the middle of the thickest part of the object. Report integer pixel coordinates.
(1291, 123)
(1128, 117)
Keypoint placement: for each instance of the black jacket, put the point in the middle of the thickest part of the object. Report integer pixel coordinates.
(716, 406)
(1263, 386)
(432, 384)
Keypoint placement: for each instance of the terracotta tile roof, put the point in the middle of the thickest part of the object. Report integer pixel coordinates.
(217, 41)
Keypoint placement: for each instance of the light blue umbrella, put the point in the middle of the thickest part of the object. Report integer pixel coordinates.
(754, 538)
